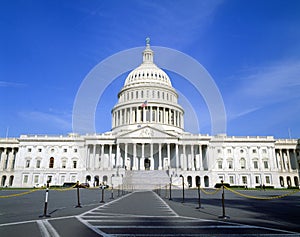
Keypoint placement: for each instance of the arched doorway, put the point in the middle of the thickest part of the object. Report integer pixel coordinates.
(3, 180)
(96, 180)
(206, 181)
(281, 180)
(189, 179)
(105, 178)
(88, 179)
(289, 182)
(147, 164)
(11, 180)
(198, 181)
(296, 181)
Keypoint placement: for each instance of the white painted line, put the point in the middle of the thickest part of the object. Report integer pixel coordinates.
(43, 229)
(165, 204)
(93, 228)
(50, 228)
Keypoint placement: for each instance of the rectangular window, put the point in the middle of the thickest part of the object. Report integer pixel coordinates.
(62, 179)
(230, 165)
(255, 164)
(229, 151)
(268, 180)
(220, 164)
(25, 179)
(254, 151)
(39, 150)
(36, 179)
(257, 179)
(65, 150)
(244, 179)
(38, 164)
(75, 150)
(231, 179)
(27, 163)
(266, 164)
(29, 149)
(219, 151)
(74, 164)
(63, 165)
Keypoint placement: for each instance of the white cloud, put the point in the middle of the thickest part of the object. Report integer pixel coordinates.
(62, 121)
(11, 84)
(276, 82)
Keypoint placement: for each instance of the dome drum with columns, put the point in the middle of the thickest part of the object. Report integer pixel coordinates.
(147, 147)
(147, 97)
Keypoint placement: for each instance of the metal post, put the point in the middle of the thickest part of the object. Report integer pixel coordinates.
(223, 203)
(182, 188)
(170, 198)
(46, 201)
(199, 197)
(102, 187)
(78, 197)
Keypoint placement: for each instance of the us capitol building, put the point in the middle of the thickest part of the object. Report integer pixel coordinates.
(147, 146)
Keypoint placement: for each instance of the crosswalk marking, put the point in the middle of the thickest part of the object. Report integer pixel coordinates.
(112, 220)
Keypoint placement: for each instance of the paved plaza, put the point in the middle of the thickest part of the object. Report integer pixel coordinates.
(148, 213)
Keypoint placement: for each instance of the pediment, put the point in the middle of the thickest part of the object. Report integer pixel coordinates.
(147, 132)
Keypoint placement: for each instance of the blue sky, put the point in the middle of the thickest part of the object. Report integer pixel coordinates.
(251, 49)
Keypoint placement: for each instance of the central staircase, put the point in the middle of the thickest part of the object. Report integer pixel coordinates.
(146, 179)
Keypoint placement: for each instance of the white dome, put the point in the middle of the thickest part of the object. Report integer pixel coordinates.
(147, 72)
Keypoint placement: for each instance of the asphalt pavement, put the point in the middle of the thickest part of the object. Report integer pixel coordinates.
(146, 213)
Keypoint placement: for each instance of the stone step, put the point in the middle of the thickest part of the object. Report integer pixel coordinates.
(146, 179)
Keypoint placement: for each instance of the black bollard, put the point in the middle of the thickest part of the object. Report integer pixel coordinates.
(182, 188)
(46, 202)
(199, 197)
(102, 199)
(170, 198)
(223, 203)
(78, 197)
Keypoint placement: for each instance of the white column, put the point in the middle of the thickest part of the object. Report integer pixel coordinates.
(193, 157)
(142, 159)
(93, 158)
(159, 157)
(200, 157)
(152, 165)
(87, 161)
(11, 159)
(110, 157)
(102, 157)
(118, 155)
(184, 159)
(177, 158)
(125, 157)
(169, 156)
(134, 157)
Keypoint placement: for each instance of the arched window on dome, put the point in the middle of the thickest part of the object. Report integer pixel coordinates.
(163, 95)
(158, 94)
(137, 94)
(142, 94)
